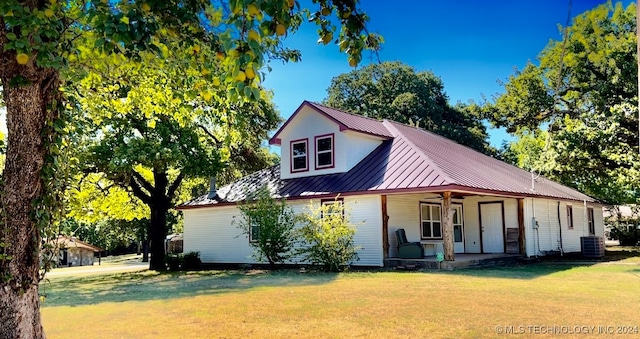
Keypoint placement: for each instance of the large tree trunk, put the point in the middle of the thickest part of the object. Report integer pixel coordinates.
(159, 206)
(22, 190)
(158, 234)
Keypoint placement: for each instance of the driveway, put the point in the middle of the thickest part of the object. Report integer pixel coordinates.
(98, 269)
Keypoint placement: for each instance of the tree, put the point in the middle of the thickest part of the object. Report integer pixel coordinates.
(395, 91)
(37, 39)
(269, 223)
(163, 127)
(327, 237)
(585, 90)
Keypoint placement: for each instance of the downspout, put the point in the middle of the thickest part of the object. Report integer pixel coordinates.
(533, 224)
(561, 248)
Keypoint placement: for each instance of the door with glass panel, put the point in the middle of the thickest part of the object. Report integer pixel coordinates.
(458, 229)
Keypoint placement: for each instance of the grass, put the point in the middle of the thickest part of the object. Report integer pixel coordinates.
(231, 304)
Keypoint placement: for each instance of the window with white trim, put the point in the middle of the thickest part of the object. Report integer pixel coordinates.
(569, 217)
(324, 151)
(299, 161)
(430, 221)
(254, 233)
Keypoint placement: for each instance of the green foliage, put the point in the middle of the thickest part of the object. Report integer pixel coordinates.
(269, 223)
(327, 237)
(585, 90)
(107, 234)
(185, 262)
(395, 91)
(527, 151)
(191, 261)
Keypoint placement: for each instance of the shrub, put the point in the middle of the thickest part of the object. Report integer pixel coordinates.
(628, 236)
(269, 223)
(191, 261)
(327, 237)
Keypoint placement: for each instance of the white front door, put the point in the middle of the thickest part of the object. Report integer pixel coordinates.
(491, 227)
(458, 229)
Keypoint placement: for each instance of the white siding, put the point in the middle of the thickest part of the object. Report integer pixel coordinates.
(357, 146)
(472, 218)
(350, 147)
(547, 237)
(210, 231)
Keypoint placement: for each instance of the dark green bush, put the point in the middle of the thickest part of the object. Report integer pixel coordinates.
(191, 261)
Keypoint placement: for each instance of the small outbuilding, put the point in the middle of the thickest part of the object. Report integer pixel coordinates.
(73, 252)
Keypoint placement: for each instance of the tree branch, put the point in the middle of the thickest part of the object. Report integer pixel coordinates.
(174, 186)
(138, 192)
(142, 182)
(218, 143)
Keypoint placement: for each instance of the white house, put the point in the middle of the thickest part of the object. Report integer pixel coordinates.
(392, 176)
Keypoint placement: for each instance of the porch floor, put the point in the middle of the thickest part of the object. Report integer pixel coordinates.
(462, 260)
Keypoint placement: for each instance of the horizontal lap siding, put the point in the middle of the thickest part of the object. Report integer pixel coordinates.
(366, 214)
(545, 212)
(210, 231)
(404, 212)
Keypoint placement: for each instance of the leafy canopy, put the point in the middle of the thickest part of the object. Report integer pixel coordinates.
(395, 91)
(584, 89)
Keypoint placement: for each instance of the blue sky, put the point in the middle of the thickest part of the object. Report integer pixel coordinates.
(471, 45)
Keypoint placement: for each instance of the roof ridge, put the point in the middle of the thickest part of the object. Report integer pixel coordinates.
(397, 134)
(345, 112)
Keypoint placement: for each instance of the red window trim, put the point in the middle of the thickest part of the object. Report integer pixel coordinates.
(306, 169)
(333, 151)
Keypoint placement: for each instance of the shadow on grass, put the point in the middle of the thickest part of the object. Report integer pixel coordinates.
(152, 285)
(532, 269)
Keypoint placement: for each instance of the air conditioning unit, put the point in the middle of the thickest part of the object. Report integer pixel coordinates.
(592, 247)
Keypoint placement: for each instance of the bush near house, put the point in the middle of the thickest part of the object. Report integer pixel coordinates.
(327, 237)
(269, 223)
(184, 262)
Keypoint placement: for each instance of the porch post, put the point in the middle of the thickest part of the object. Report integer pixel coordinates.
(385, 227)
(447, 226)
(521, 237)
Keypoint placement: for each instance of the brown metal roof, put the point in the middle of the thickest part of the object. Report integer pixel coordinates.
(412, 160)
(70, 242)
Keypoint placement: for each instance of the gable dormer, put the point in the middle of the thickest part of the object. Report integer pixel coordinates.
(319, 140)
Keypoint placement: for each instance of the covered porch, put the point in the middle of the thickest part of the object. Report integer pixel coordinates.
(462, 226)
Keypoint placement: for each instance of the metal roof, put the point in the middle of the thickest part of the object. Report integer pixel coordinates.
(412, 160)
(345, 120)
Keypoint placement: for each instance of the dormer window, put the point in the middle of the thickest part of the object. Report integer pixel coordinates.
(324, 151)
(299, 160)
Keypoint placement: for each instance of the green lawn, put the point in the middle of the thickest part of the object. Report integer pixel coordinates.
(460, 304)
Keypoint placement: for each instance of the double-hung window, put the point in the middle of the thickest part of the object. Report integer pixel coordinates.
(254, 232)
(332, 207)
(431, 221)
(569, 217)
(324, 151)
(299, 159)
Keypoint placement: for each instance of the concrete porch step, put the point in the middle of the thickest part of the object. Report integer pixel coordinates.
(462, 261)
